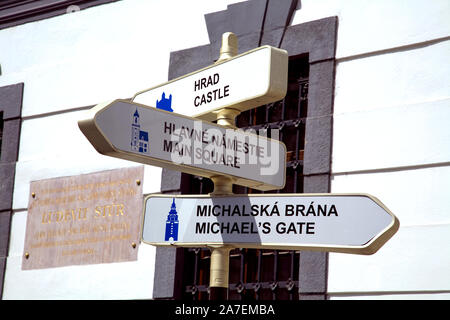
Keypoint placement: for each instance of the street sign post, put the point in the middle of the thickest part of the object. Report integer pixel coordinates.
(347, 223)
(248, 80)
(168, 137)
(235, 83)
(147, 135)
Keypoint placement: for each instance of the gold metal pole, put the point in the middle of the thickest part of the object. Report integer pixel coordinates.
(218, 273)
(223, 185)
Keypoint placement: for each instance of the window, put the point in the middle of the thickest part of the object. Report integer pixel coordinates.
(259, 274)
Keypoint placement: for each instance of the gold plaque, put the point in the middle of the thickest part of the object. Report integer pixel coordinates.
(85, 219)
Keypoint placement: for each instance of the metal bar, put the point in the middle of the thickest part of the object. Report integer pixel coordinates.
(258, 277)
(276, 124)
(275, 275)
(241, 273)
(291, 276)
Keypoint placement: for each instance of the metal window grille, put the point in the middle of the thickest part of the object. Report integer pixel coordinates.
(1, 132)
(259, 274)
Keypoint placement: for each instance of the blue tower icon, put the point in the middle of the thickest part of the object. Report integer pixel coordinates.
(139, 138)
(164, 103)
(172, 224)
(135, 128)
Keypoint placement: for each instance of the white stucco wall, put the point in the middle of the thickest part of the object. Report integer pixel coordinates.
(391, 138)
(73, 61)
(367, 27)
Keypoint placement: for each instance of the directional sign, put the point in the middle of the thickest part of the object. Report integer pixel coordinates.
(251, 79)
(144, 134)
(349, 223)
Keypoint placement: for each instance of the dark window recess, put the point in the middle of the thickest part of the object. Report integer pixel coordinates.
(259, 274)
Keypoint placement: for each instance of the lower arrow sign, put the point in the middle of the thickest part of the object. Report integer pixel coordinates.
(348, 223)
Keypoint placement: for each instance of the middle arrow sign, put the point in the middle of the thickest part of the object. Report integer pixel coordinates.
(147, 135)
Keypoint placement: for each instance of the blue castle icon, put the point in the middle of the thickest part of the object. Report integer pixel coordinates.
(172, 223)
(139, 138)
(164, 103)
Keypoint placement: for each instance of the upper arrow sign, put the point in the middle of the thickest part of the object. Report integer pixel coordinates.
(147, 135)
(248, 80)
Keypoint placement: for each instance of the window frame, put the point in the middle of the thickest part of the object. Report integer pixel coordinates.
(10, 113)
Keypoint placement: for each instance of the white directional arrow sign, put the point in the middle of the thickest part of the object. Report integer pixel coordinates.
(147, 135)
(348, 223)
(249, 80)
